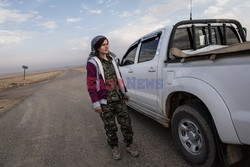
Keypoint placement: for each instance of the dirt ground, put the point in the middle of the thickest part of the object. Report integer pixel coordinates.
(6, 104)
(11, 82)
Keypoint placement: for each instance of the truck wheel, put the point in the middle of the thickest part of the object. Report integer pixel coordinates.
(191, 131)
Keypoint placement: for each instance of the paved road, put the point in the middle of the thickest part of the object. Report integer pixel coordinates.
(56, 126)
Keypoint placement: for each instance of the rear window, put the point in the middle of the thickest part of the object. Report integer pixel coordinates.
(183, 37)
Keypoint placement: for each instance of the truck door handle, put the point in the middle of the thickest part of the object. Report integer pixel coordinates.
(151, 69)
(130, 71)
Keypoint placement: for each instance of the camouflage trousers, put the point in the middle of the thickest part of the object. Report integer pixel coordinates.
(112, 111)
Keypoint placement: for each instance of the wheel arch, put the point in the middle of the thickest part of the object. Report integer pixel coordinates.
(205, 94)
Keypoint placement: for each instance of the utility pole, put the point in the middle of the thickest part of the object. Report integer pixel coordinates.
(24, 68)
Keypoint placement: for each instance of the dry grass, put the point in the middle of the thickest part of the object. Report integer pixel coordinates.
(17, 81)
(82, 69)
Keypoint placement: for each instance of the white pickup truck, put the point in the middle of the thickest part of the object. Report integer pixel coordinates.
(194, 78)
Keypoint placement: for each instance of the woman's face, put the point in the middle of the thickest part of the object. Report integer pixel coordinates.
(104, 49)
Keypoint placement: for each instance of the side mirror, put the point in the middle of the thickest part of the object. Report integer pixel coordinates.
(245, 32)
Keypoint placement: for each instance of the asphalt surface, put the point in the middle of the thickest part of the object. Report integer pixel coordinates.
(55, 125)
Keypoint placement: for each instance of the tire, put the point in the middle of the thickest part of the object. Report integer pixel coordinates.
(192, 134)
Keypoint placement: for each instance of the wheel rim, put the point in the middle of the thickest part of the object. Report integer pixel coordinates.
(190, 136)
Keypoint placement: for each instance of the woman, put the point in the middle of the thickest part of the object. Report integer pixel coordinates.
(108, 94)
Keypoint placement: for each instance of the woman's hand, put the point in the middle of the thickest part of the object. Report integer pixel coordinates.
(98, 109)
(127, 98)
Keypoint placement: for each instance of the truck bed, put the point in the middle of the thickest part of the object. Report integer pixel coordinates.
(211, 50)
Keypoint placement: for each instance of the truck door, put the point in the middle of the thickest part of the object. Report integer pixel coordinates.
(126, 68)
(145, 72)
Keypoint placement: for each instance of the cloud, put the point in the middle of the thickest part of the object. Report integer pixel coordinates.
(49, 24)
(126, 14)
(79, 27)
(212, 10)
(4, 3)
(130, 13)
(217, 8)
(100, 1)
(78, 48)
(52, 6)
(38, 17)
(108, 3)
(73, 20)
(163, 9)
(13, 37)
(88, 9)
(40, 1)
(7, 15)
(145, 1)
(222, 2)
(78, 43)
(158, 13)
(199, 1)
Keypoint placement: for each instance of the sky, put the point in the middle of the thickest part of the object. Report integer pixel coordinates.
(43, 34)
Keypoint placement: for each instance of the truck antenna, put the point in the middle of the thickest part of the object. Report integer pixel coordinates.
(190, 9)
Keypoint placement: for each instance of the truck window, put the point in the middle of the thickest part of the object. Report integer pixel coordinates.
(129, 57)
(148, 49)
(181, 39)
(232, 37)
